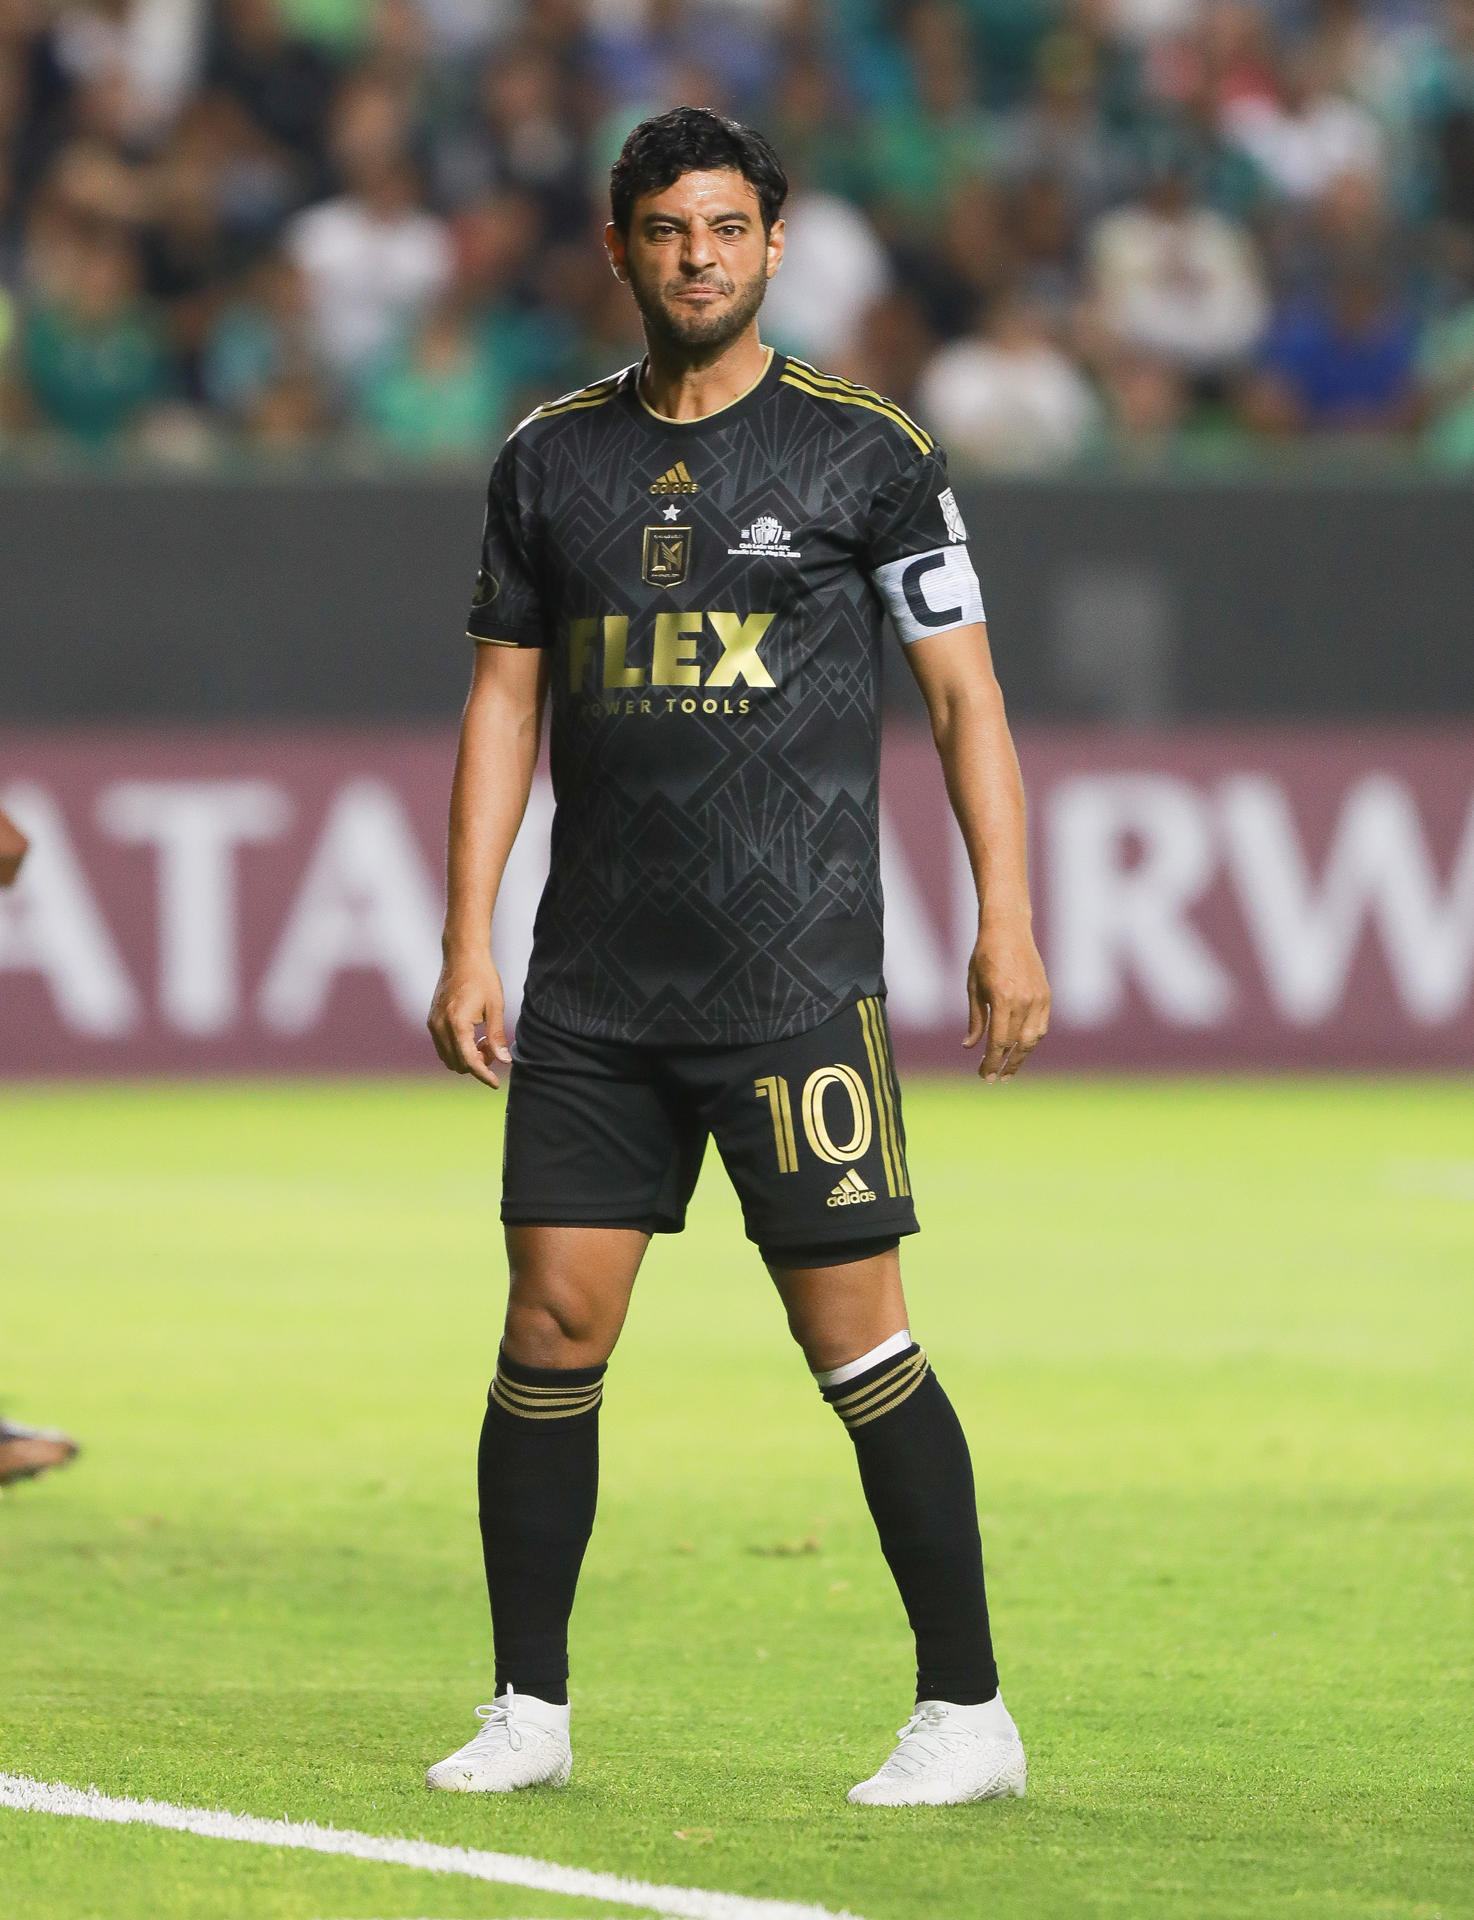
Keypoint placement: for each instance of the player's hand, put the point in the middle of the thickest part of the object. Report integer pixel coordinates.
(468, 995)
(13, 849)
(1007, 998)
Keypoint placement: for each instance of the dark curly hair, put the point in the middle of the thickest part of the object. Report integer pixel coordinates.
(694, 140)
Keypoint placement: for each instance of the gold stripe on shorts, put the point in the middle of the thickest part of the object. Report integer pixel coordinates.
(877, 1046)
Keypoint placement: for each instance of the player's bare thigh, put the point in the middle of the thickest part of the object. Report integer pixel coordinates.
(570, 1291)
(836, 1314)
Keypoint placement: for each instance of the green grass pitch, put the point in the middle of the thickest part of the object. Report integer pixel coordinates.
(1211, 1343)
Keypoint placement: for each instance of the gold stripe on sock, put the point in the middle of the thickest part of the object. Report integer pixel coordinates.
(855, 1399)
(886, 1406)
(517, 1396)
(888, 1403)
(543, 1396)
(545, 1403)
(549, 1396)
(875, 1397)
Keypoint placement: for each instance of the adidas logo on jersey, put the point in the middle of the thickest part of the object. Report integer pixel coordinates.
(851, 1191)
(675, 479)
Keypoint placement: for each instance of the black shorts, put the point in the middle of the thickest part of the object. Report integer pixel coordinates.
(602, 1133)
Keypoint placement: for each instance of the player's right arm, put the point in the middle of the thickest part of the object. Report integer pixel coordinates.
(500, 730)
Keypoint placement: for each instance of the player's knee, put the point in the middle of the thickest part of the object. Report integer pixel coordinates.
(558, 1329)
(840, 1299)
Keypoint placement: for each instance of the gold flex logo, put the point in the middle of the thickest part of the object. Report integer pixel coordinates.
(674, 657)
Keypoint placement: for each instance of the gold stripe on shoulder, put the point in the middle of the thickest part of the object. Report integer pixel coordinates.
(917, 435)
(914, 434)
(838, 381)
(853, 388)
(572, 406)
(485, 640)
(594, 395)
(821, 386)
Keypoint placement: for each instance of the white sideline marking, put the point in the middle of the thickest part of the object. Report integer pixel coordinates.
(512, 1869)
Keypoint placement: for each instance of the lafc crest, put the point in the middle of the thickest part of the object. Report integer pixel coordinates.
(666, 559)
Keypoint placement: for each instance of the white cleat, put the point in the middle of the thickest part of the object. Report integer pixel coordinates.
(946, 1755)
(524, 1743)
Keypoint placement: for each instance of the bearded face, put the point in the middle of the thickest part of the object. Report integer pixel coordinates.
(698, 261)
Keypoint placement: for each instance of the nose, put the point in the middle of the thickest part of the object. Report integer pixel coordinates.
(699, 252)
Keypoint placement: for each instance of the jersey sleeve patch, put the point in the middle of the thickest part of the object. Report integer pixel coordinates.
(506, 605)
(929, 592)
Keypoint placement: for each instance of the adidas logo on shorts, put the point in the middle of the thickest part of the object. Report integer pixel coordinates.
(850, 1192)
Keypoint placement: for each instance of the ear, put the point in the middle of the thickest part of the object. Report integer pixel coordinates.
(776, 238)
(614, 247)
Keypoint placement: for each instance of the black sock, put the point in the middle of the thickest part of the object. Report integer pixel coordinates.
(538, 1475)
(917, 1476)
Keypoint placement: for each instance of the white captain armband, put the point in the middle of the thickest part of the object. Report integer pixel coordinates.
(929, 592)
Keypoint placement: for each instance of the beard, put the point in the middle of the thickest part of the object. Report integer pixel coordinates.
(704, 334)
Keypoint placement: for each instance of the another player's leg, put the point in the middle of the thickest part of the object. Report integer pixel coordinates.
(850, 1319)
(28, 1451)
(538, 1478)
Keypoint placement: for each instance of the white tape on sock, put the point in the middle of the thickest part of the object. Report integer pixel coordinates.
(852, 1369)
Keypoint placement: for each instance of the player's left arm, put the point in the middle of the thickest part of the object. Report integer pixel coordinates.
(1007, 991)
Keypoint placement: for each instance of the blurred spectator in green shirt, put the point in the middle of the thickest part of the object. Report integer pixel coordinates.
(437, 396)
(1008, 34)
(1060, 130)
(918, 152)
(1446, 375)
(812, 129)
(261, 337)
(497, 247)
(91, 352)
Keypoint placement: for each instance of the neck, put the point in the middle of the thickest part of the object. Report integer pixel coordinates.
(674, 384)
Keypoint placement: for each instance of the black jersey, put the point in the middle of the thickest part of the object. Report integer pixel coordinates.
(713, 595)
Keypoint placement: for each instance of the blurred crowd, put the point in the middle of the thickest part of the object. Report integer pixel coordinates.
(1055, 230)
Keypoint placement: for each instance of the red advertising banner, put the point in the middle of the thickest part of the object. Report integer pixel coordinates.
(202, 902)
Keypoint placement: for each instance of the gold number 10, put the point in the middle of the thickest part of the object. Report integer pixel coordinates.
(774, 1089)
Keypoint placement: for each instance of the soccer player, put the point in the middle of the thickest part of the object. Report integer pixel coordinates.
(690, 562)
(25, 1451)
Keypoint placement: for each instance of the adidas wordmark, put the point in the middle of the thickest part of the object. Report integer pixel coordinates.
(851, 1191)
(676, 479)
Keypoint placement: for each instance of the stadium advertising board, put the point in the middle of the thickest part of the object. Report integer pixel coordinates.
(206, 902)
